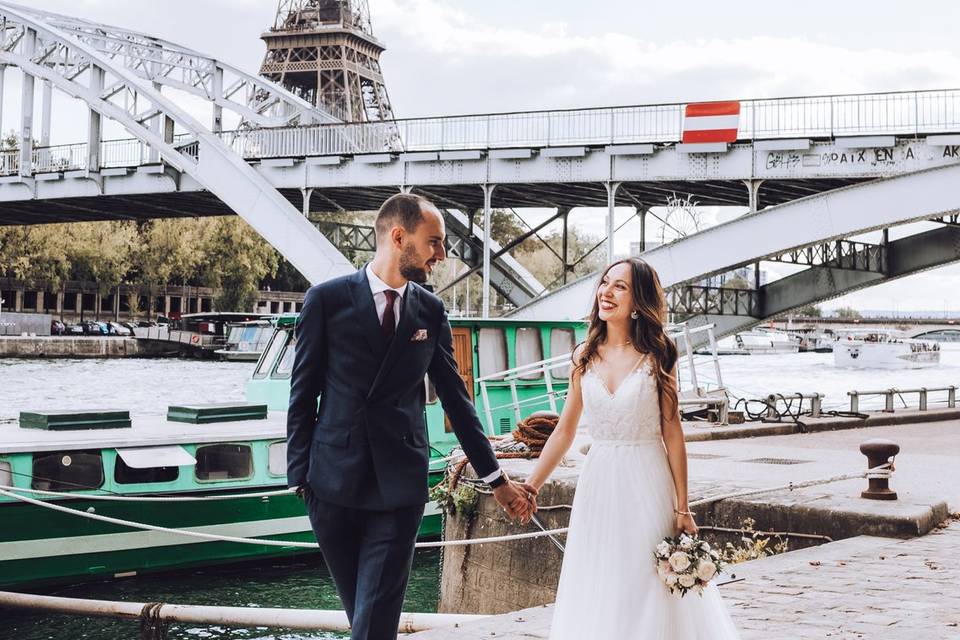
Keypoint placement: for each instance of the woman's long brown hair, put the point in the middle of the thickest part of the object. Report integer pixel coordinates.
(646, 332)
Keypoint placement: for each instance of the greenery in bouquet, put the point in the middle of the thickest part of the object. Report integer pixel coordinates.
(687, 563)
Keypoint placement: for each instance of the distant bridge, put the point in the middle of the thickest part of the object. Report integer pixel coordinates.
(287, 159)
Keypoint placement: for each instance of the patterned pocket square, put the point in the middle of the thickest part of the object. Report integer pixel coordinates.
(419, 336)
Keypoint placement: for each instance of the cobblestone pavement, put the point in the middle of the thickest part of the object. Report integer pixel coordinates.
(861, 588)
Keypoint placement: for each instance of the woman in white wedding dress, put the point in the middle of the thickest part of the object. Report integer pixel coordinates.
(632, 490)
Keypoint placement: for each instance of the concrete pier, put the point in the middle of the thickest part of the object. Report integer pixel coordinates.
(502, 578)
(68, 347)
(862, 587)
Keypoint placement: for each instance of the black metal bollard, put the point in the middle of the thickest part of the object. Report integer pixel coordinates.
(878, 452)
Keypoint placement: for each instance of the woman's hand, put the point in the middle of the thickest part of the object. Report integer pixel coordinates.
(685, 524)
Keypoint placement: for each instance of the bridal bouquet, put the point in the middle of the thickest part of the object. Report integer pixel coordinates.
(687, 563)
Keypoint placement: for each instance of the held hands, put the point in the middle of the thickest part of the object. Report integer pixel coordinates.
(519, 500)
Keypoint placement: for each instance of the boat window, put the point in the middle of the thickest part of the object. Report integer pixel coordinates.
(562, 341)
(286, 358)
(529, 350)
(224, 462)
(235, 333)
(492, 349)
(269, 357)
(6, 477)
(67, 471)
(125, 474)
(277, 459)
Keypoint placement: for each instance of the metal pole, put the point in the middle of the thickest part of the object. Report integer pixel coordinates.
(487, 216)
(217, 94)
(3, 74)
(565, 250)
(95, 123)
(46, 111)
(26, 108)
(611, 220)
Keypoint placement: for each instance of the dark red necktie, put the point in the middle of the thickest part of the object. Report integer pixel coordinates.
(389, 323)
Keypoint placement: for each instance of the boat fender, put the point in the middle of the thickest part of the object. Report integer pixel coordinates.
(194, 339)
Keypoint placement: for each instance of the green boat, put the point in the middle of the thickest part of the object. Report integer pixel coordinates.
(158, 471)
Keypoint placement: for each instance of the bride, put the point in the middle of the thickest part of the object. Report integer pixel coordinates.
(632, 490)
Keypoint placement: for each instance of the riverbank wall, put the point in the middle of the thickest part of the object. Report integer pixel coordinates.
(69, 347)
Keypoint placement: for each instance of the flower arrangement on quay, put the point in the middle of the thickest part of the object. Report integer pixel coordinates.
(687, 563)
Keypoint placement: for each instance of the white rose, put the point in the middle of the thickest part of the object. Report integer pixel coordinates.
(663, 548)
(706, 571)
(687, 580)
(679, 561)
(671, 580)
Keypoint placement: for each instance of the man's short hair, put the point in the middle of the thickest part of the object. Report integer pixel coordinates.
(404, 209)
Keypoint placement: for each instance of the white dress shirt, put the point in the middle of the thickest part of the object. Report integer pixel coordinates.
(377, 288)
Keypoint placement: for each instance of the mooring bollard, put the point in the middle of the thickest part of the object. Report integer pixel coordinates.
(879, 452)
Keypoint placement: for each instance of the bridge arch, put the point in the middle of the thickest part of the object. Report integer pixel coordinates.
(829, 216)
(44, 52)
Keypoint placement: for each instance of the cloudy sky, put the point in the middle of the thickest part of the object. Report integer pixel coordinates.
(498, 55)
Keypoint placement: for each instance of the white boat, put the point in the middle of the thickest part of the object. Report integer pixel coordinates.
(884, 349)
(758, 342)
(247, 340)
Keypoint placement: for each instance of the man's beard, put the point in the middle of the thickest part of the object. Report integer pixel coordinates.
(409, 268)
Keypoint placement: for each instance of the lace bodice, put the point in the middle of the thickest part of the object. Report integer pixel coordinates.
(630, 414)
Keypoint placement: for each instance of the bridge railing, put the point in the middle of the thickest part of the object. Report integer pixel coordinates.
(898, 113)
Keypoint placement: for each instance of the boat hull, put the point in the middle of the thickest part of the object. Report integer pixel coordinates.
(883, 356)
(84, 549)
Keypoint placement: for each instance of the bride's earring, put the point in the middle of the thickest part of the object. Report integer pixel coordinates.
(635, 314)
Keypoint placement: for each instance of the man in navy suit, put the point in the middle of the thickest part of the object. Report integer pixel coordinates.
(364, 342)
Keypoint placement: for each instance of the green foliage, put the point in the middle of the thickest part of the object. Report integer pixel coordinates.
(810, 311)
(848, 313)
(753, 545)
(223, 253)
(462, 500)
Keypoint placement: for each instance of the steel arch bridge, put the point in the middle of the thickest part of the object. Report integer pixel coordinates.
(810, 232)
(118, 74)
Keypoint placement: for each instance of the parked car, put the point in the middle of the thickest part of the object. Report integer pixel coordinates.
(119, 329)
(57, 328)
(92, 328)
(75, 329)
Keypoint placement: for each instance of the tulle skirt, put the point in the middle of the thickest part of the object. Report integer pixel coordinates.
(609, 588)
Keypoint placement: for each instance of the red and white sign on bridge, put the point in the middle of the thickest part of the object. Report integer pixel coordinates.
(711, 122)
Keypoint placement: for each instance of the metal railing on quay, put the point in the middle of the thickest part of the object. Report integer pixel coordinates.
(889, 396)
(774, 400)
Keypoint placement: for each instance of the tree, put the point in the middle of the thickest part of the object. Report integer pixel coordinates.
(235, 259)
(810, 311)
(848, 313)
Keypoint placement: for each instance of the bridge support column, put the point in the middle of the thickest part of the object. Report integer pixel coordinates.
(753, 193)
(217, 126)
(611, 219)
(642, 212)
(307, 196)
(405, 189)
(46, 111)
(487, 217)
(26, 108)
(564, 214)
(95, 123)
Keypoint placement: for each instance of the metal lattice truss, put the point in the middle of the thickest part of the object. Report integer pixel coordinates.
(258, 102)
(694, 300)
(840, 254)
(44, 52)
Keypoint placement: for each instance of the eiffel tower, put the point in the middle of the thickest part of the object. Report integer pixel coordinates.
(325, 52)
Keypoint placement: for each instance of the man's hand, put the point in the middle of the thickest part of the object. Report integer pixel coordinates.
(518, 500)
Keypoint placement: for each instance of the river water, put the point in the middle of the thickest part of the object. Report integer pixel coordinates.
(147, 387)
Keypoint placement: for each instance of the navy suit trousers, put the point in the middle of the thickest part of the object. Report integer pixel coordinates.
(369, 553)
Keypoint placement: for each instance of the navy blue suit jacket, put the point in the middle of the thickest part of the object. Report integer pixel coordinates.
(366, 446)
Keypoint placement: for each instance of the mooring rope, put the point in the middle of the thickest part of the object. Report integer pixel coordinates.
(882, 471)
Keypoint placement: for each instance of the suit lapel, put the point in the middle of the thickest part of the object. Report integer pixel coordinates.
(401, 338)
(367, 312)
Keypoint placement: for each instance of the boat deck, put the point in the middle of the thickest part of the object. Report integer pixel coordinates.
(146, 431)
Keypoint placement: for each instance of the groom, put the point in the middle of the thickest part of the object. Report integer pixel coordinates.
(365, 341)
